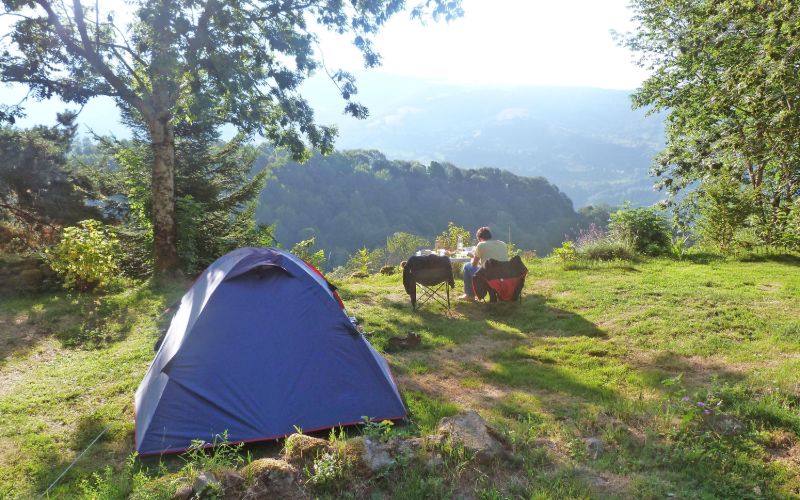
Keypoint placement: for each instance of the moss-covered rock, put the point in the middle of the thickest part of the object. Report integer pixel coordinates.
(300, 449)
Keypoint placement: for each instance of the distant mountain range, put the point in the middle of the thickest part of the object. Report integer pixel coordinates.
(588, 142)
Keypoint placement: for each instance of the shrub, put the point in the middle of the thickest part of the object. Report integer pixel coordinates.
(86, 256)
(596, 244)
(449, 237)
(606, 249)
(644, 230)
(305, 250)
(566, 252)
(401, 246)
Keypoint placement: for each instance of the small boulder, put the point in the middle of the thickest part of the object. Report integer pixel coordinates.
(387, 270)
(233, 484)
(360, 275)
(410, 341)
(204, 483)
(371, 454)
(183, 493)
(300, 449)
(470, 430)
(726, 425)
(594, 446)
(270, 470)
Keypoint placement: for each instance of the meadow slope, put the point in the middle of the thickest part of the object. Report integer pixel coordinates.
(685, 371)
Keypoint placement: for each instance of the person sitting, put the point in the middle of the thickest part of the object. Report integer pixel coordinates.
(487, 249)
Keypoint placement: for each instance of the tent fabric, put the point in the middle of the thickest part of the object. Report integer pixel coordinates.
(259, 346)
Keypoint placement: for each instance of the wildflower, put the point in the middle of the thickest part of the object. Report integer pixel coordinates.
(686, 398)
(706, 412)
(700, 404)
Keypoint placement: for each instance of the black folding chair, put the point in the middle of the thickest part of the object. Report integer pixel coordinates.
(432, 277)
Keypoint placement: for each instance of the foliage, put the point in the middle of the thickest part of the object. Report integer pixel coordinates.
(724, 71)
(375, 429)
(328, 471)
(595, 244)
(216, 194)
(182, 62)
(596, 215)
(39, 192)
(215, 456)
(359, 207)
(365, 261)
(643, 229)
(400, 246)
(566, 252)
(724, 207)
(304, 250)
(449, 237)
(86, 256)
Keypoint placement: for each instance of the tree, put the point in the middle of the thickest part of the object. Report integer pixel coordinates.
(726, 72)
(242, 60)
(38, 191)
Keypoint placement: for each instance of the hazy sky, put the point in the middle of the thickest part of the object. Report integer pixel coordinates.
(517, 42)
(497, 42)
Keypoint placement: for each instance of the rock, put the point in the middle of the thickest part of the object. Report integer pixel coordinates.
(469, 430)
(204, 482)
(270, 470)
(594, 446)
(727, 425)
(273, 479)
(387, 270)
(183, 493)
(434, 461)
(300, 449)
(233, 483)
(376, 455)
(359, 274)
(410, 341)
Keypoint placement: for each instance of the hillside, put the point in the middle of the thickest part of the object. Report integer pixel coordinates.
(356, 198)
(587, 141)
(618, 356)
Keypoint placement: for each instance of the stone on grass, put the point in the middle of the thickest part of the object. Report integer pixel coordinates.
(727, 425)
(204, 482)
(300, 449)
(594, 446)
(470, 431)
(273, 479)
(371, 453)
(359, 274)
(183, 493)
(233, 483)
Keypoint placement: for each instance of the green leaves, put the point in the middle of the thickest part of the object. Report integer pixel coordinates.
(86, 256)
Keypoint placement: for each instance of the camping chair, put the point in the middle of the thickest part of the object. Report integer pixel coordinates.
(502, 281)
(433, 276)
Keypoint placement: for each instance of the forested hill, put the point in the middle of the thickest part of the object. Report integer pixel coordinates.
(357, 198)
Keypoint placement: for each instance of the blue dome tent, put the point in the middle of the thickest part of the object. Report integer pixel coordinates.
(260, 344)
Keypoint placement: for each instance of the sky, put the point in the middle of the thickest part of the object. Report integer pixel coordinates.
(496, 42)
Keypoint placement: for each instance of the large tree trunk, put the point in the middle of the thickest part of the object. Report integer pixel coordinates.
(165, 231)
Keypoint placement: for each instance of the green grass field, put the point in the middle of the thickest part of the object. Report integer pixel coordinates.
(687, 373)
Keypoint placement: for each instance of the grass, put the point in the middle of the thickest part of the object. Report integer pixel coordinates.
(607, 350)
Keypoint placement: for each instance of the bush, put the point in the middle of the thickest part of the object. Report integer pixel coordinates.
(86, 256)
(596, 244)
(644, 230)
(449, 238)
(606, 249)
(305, 250)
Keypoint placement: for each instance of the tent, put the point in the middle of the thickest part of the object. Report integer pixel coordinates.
(259, 346)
